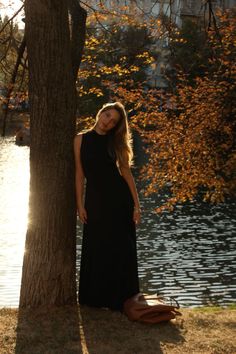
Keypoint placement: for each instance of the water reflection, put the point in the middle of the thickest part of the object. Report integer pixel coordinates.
(190, 253)
(14, 177)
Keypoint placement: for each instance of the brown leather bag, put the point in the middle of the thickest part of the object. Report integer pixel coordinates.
(151, 308)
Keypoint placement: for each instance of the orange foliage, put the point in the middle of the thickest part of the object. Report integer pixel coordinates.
(190, 135)
(191, 138)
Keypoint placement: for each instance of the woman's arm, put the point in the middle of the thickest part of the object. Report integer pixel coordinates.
(79, 179)
(128, 176)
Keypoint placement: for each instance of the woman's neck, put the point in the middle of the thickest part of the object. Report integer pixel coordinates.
(99, 131)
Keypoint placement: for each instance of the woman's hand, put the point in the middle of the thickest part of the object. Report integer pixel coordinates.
(82, 215)
(137, 216)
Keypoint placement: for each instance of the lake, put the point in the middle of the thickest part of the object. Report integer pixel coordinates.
(189, 253)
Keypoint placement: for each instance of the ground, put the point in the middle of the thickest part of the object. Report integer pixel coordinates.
(75, 330)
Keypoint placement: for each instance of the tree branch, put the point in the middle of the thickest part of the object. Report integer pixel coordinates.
(212, 16)
(12, 82)
(9, 42)
(11, 19)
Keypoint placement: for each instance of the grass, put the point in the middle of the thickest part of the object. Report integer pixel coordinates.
(75, 330)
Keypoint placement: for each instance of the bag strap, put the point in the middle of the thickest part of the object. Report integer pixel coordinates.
(167, 300)
(172, 300)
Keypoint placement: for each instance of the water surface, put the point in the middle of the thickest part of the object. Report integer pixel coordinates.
(189, 253)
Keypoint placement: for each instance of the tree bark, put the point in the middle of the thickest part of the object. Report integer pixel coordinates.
(78, 25)
(48, 276)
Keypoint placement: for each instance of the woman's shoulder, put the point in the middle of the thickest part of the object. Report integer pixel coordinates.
(82, 135)
(84, 132)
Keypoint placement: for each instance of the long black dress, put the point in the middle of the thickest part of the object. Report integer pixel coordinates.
(108, 269)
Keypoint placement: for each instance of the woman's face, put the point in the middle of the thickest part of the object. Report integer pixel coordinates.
(108, 119)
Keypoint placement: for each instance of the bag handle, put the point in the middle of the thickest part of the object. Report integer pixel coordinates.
(166, 299)
(171, 299)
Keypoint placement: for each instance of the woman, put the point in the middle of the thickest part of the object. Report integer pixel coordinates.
(108, 271)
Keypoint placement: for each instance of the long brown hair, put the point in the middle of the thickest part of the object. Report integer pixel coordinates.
(121, 140)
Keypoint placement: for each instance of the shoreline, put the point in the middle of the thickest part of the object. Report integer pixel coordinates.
(75, 330)
(231, 306)
(14, 121)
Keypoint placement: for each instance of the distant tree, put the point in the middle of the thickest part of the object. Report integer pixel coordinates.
(119, 54)
(10, 40)
(189, 52)
(13, 68)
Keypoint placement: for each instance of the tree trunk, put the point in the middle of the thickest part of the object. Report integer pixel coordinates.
(48, 276)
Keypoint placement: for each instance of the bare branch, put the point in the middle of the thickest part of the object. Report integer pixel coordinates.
(23, 73)
(11, 19)
(9, 43)
(12, 82)
(212, 16)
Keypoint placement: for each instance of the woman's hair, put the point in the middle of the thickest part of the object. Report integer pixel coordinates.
(121, 140)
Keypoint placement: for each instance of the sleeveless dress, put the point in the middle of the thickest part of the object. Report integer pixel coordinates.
(108, 269)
